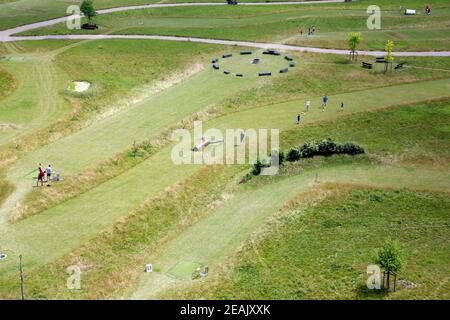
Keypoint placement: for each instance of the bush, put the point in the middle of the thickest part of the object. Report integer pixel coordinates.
(293, 155)
(351, 148)
(326, 147)
(257, 167)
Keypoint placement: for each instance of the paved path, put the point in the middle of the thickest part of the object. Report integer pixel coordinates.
(7, 35)
(231, 43)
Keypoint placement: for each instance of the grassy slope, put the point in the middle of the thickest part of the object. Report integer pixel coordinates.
(118, 196)
(22, 108)
(293, 86)
(116, 83)
(421, 133)
(322, 252)
(282, 23)
(361, 173)
(147, 228)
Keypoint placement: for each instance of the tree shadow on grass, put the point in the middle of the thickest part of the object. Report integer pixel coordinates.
(364, 293)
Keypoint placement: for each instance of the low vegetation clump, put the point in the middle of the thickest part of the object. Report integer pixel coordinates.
(326, 147)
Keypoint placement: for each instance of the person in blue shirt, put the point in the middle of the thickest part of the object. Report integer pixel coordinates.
(324, 102)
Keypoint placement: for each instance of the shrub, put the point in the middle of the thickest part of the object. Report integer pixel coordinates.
(257, 167)
(325, 147)
(293, 154)
(351, 148)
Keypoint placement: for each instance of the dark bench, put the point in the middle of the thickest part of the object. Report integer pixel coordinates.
(292, 64)
(271, 52)
(89, 26)
(288, 57)
(399, 66)
(228, 55)
(226, 71)
(239, 75)
(262, 74)
(215, 66)
(245, 52)
(234, 2)
(215, 60)
(380, 60)
(366, 65)
(284, 70)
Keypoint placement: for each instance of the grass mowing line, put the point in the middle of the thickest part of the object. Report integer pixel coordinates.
(218, 235)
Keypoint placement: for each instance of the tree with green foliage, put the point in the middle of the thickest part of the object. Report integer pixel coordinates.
(389, 54)
(87, 8)
(390, 258)
(353, 40)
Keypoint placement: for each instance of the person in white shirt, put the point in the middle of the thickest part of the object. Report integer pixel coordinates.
(308, 104)
(49, 172)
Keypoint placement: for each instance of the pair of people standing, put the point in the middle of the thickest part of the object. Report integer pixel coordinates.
(324, 106)
(44, 173)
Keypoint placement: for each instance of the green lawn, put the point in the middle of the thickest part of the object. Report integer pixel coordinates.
(19, 12)
(322, 252)
(82, 208)
(35, 101)
(421, 132)
(128, 212)
(282, 24)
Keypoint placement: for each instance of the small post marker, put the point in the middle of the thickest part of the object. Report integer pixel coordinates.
(21, 278)
(148, 267)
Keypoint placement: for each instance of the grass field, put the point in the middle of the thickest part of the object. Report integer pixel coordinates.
(322, 251)
(282, 24)
(117, 208)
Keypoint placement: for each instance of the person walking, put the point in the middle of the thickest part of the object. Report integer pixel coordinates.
(308, 104)
(342, 106)
(49, 172)
(41, 175)
(298, 118)
(324, 102)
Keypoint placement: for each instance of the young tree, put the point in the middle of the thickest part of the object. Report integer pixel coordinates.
(353, 40)
(390, 258)
(389, 55)
(87, 7)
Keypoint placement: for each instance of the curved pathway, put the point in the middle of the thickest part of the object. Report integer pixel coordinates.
(7, 35)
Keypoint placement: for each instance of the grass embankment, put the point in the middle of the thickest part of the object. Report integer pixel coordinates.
(59, 266)
(121, 75)
(279, 89)
(322, 252)
(414, 135)
(114, 259)
(283, 23)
